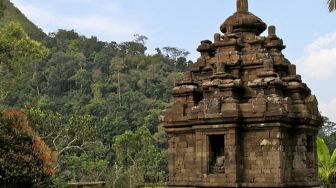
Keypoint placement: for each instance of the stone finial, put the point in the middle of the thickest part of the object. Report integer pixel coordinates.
(271, 30)
(242, 6)
(187, 76)
(292, 70)
(217, 37)
(205, 47)
(206, 42)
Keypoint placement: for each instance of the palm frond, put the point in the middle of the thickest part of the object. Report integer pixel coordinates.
(332, 5)
(322, 151)
(333, 158)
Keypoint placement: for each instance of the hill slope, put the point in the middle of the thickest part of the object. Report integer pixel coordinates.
(8, 13)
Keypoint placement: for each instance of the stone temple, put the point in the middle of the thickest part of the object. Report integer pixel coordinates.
(242, 117)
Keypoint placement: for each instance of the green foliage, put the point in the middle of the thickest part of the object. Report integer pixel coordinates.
(331, 5)
(9, 13)
(17, 52)
(16, 45)
(327, 142)
(25, 161)
(328, 133)
(86, 97)
(81, 168)
(78, 151)
(329, 127)
(326, 162)
(137, 153)
(175, 53)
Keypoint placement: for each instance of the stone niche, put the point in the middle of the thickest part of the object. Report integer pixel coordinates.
(242, 117)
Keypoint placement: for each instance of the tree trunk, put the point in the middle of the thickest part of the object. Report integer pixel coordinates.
(119, 89)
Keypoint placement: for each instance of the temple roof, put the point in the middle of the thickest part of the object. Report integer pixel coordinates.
(243, 21)
(242, 77)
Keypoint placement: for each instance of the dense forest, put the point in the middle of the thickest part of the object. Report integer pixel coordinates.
(94, 104)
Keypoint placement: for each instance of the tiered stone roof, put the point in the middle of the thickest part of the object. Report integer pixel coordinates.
(242, 76)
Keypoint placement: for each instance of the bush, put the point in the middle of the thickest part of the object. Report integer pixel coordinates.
(25, 160)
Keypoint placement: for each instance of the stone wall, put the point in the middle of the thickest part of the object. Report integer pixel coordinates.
(257, 157)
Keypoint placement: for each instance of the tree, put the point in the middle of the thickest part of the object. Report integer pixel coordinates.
(81, 156)
(326, 162)
(140, 39)
(329, 127)
(332, 5)
(328, 133)
(87, 92)
(133, 48)
(17, 52)
(117, 64)
(25, 158)
(60, 41)
(137, 153)
(182, 64)
(17, 49)
(175, 53)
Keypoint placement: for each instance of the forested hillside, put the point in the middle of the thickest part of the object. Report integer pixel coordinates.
(10, 13)
(96, 104)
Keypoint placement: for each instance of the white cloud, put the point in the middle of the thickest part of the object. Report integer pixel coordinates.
(319, 59)
(329, 110)
(111, 26)
(327, 41)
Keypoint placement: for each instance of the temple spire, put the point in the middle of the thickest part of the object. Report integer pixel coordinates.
(242, 6)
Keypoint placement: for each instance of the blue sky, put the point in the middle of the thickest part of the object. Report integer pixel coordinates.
(307, 28)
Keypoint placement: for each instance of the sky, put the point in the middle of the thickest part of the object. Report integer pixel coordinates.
(307, 28)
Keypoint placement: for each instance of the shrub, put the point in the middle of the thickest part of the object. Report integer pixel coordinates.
(25, 160)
